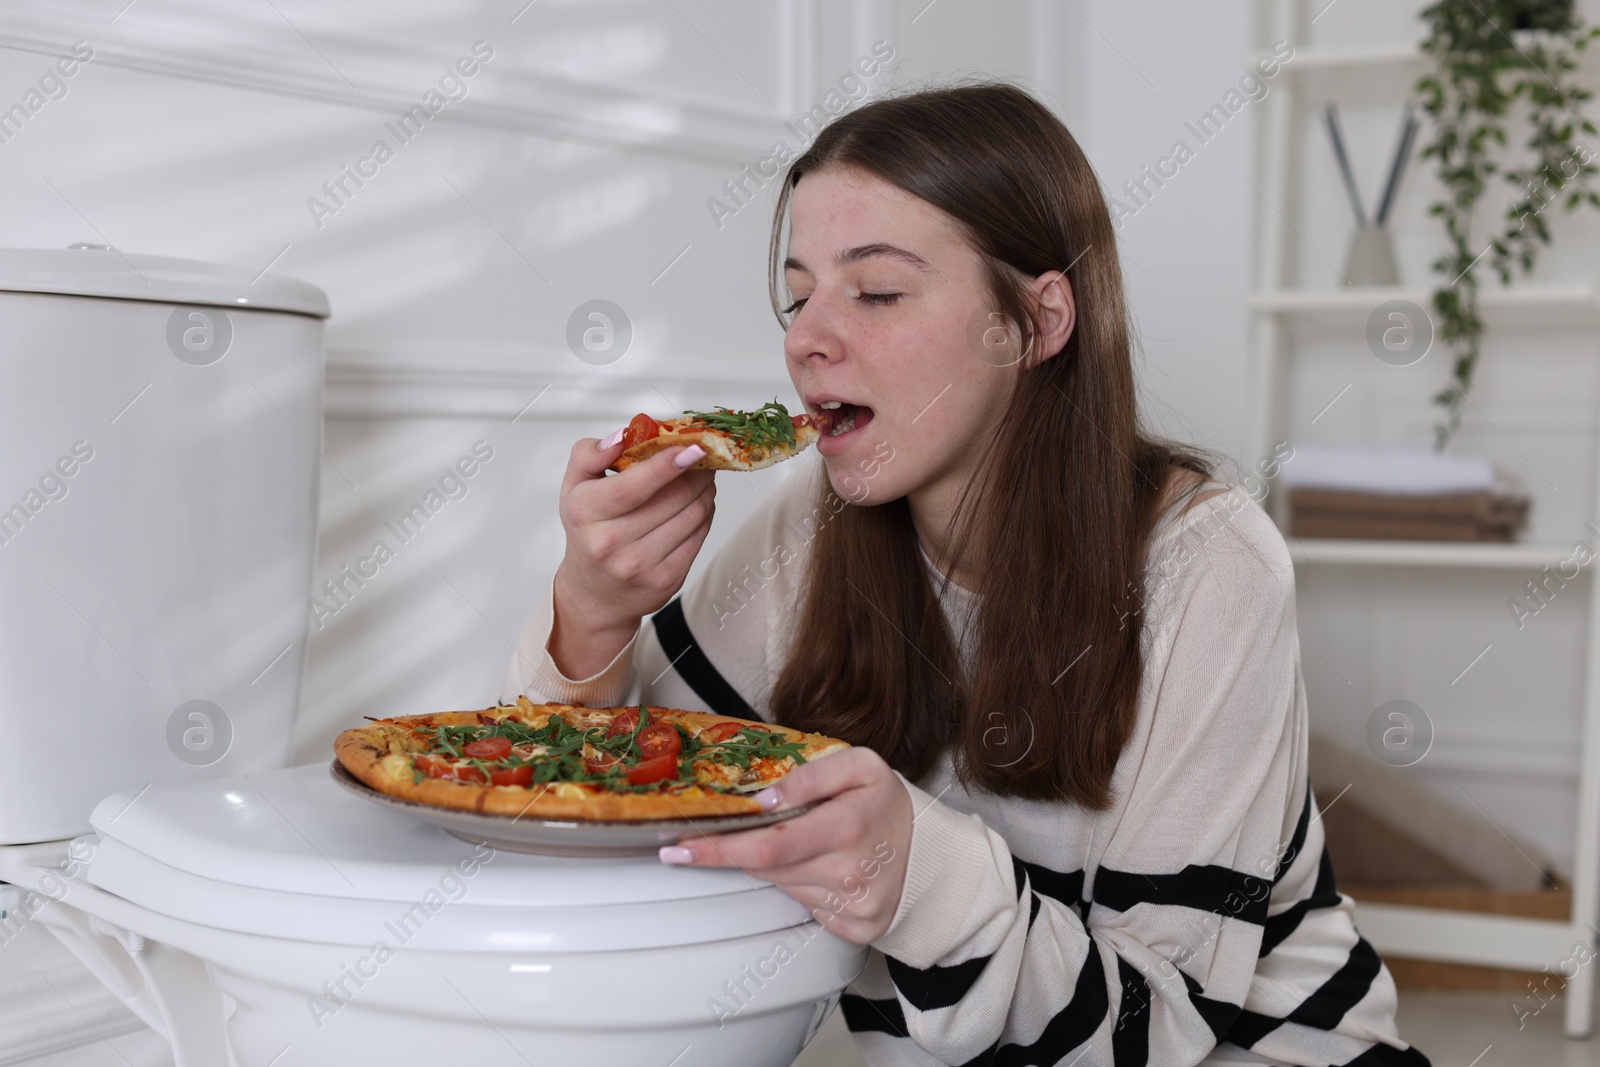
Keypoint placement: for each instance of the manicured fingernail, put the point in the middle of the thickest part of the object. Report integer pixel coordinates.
(609, 441)
(768, 798)
(687, 456)
(676, 854)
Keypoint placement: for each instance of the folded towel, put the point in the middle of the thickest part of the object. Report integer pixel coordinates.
(1378, 471)
(1477, 516)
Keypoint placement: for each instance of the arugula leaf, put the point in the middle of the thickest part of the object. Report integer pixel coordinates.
(769, 426)
(753, 743)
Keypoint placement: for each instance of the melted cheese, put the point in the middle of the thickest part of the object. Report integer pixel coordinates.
(761, 773)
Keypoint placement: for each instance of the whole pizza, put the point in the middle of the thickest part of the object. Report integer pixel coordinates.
(564, 761)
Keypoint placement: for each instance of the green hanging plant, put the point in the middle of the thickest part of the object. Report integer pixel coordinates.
(1487, 55)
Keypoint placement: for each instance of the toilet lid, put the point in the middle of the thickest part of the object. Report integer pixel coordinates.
(100, 270)
(289, 853)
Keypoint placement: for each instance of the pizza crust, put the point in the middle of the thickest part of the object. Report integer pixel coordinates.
(381, 753)
(723, 453)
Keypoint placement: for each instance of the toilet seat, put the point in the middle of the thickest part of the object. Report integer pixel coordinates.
(241, 917)
(224, 998)
(289, 853)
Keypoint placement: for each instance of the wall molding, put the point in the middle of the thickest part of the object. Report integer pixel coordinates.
(1483, 757)
(1551, 763)
(249, 53)
(370, 386)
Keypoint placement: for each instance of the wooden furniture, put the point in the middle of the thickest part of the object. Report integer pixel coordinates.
(1376, 74)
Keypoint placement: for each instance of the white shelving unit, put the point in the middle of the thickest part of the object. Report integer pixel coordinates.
(1542, 306)
(1380, 74)
(1529, 557)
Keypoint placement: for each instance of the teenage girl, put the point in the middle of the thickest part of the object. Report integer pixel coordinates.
(1076, 826)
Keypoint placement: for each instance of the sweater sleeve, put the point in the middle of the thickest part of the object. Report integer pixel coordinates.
(533, 672)
(994, 959)
(722, 643)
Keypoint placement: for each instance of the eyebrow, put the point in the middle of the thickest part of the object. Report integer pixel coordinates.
(877, 249)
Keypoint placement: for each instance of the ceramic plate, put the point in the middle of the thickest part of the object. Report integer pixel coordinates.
(551, 838)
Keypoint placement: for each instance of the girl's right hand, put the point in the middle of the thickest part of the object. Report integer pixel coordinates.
(631, 538)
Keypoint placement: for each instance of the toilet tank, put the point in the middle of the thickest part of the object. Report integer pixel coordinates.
(160, 448)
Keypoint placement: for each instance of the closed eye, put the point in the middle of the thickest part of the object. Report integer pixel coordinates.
(876, 299)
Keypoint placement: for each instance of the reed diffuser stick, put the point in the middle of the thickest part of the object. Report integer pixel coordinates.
(1331, 116)
(1397, 167)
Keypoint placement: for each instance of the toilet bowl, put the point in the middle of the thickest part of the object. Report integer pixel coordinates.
(153, 598)
(248, 916)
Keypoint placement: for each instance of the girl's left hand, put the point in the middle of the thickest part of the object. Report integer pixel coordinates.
(845, 859)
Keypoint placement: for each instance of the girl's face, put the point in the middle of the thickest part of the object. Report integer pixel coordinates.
(890, 319)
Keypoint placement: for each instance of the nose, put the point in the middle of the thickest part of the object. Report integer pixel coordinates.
(811, 337)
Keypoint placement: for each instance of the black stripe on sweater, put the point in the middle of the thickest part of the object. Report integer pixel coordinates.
(1019, 876)
(1064, 886)
(1205, 888)
(1071, 1026)
(1329, 1004)
(684, 654)
(1130, 1039)
(927, 989)
(873, 1016)
(1218, 1014)
(935, 987)
(1325, 895)
(1250, 1027)
(1325, 1007)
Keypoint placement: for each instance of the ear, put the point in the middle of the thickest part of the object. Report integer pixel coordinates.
(1058, 313)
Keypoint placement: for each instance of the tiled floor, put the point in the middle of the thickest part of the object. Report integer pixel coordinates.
(1460, 1029)
(1453, 1029)
(832, 1047)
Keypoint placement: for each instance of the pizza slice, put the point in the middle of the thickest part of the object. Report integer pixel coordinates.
(733, 440)
(568, 762)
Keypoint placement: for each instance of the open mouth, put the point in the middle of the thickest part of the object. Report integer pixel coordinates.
(841, 418)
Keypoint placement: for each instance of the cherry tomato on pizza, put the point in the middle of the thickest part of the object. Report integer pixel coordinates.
(625, 723)
(660, 739)
(641, 429)
(522, 775)
(653, 770)
(489, 749)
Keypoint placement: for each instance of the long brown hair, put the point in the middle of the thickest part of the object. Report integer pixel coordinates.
(1064, 515)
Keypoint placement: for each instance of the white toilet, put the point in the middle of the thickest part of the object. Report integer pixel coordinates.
(160, 427)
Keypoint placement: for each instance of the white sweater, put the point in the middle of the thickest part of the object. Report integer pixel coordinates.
(1194, 921)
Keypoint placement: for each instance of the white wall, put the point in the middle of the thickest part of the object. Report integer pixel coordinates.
(1149, 69)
